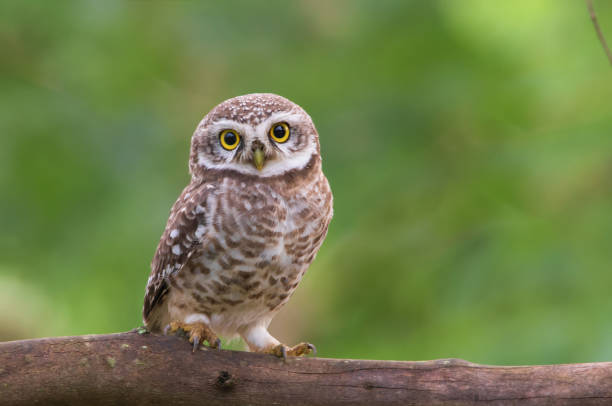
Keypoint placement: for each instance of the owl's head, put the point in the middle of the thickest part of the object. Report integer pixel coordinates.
(258, 134)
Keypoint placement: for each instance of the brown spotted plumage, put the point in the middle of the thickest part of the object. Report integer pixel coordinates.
(244, 231)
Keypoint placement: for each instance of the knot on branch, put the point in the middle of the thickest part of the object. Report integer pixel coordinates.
(225, 381)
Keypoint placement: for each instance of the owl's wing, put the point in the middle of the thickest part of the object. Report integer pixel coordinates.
(182, 238)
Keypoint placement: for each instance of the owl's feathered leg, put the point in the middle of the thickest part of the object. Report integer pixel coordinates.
(198, 333)
(260, 340)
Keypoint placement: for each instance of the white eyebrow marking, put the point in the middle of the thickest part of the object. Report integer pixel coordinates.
(298, 159)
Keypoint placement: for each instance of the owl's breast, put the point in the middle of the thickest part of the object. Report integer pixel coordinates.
(262, 239)
(273, 222)
(251, 219)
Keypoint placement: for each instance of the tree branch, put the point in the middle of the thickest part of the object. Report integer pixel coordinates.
(130, 368)
(600, 35)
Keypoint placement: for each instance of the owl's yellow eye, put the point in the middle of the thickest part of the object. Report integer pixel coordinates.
(279, 132)
(229, 139)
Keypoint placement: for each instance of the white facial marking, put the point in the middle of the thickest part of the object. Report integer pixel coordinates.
(274, 167)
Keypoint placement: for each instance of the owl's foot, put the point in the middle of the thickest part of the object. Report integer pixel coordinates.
(259, 340)
(198, 333)
(281, 350)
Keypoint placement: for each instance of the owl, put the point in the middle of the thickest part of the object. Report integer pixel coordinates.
(244, 231)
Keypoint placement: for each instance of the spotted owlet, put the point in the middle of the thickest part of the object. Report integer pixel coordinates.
(245, 229)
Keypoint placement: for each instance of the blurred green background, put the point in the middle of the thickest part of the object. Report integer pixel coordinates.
(468, 145)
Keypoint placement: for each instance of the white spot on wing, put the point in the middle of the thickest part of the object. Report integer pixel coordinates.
(200, 231)
(166, 271)
(174, 233)
(176, 250)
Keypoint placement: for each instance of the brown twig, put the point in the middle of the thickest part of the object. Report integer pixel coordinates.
(602, 39)
(142, 369)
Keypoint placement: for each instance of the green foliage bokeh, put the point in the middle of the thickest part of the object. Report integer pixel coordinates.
(468, 145)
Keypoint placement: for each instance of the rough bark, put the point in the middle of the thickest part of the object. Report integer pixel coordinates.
(130, 368)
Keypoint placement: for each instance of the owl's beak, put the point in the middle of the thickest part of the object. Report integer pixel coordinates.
(258, 158)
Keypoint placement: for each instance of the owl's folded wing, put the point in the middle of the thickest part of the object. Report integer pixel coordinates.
(182, 238)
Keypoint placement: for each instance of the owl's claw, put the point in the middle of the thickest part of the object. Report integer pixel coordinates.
(196, 342)
(312, 349)
(198, 333)
(282, 351)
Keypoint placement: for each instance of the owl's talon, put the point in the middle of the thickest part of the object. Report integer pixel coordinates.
(198, 333)
(282, 351)
(196, 342)
(301, 349)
